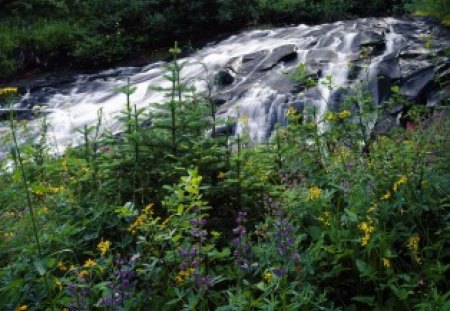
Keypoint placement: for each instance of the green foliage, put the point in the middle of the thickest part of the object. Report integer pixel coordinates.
(48, 33)
(435, 8)
(165, 216)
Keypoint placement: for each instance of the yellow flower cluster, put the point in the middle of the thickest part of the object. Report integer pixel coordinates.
(83, 274)
(324, 218)
(291, 112)
(397, 184)
(330, 116)
(89, 263)
(183, 275)
(367, 229)
(147, 213)
(387, 196)
(401, 181)
(268, 277)
(413, 245)
(104, 246)
(61, 266)
(8, 91)
(387, 262)
(22, 308)
(221, 175)
(344, 114)
(314, 193)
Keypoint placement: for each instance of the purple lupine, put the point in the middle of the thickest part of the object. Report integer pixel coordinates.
(203, 281)
(123, 284)
(283, 236)
(242, 248)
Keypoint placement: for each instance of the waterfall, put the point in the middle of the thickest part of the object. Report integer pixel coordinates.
(258, 63)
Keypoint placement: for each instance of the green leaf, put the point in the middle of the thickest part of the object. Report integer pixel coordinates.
(39, 265)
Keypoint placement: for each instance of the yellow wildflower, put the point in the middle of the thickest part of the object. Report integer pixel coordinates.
(61, 266)
(268, 276)
(373, 208)
(365, 239)
(8, 91)
(291, 112)
(413, 245)
(367, 229)
(401, 181)
(104, 246)
(264, 177)
(58, 284)
(386, 262)
(330, 116)
(324, 218)
(344, 114)
(183, 275)
(387, 196)
(22, 307)
(83, 274)
(146, 213)
(221, 175)
(89, 263)
(314, 193)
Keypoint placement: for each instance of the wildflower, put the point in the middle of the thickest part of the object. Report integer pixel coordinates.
(367, 229)
(344, 114)
(83, 274)
(330, 116)
(386, 262)
(264, 177)
(22, 307)
(243, 248)
(61, 266)
(324, 218)
(268, 277)
(314, 193)
(413, 245)
(8, 91)
(184, 275)
(147, 212)
(387, 196)
(221, 175)
(401, 181)
(89, 263)
(104, 246)
(291, 112)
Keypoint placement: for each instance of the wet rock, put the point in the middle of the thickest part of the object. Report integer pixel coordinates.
(418, 83)
(224, 78)
(439, 97)
(317, 59)
(285, 53)
(389, 67)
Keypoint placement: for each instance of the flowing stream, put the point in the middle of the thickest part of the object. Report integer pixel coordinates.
(256, 64)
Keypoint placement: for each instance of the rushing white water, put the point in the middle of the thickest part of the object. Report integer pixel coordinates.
(257, 94)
